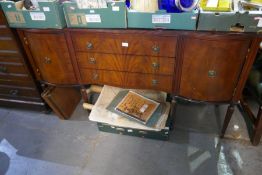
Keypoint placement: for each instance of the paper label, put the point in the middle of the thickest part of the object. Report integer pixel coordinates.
(46, 9)
(143, 108)
(37, 16)
(115, 8)
(93, 18)
(124, 44)
(161, 19)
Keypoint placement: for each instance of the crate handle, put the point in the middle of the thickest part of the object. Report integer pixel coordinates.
(237, 28)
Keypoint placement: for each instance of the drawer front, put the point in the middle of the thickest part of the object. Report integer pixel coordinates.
(127, 80)
(138, 64)
(7, 43)
(11, 59)
(4, 30)
(9, 68)
(150, 65)
(10, 98)
(155, 82)
(101, 61)
(113, 78)
(15, 77)
(125, 44)
(14, 72)
(18, 92)
(29, 84)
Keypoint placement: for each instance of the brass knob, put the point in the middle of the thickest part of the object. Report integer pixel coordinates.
(156, 49)
(154, 82)
(92, 60)
(95, 76)
(13, 92)
(212, 73)
(89, 45)
(47, 60)
(3, 69)
(155, 65)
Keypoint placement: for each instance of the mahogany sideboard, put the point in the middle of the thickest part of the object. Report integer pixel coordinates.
(17, 84)
(209, 67)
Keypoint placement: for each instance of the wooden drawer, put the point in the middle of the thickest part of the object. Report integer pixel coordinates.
(18, 91)
(138, 64)
(30, 84)
(7, 43)
(4, 30)
(8, 68)
(15, 77)
(127, 80)
(125, 44)
(90, 76)
(20, 99)
(11, 59)
(10, 53)
(14, 72)
(148, 81)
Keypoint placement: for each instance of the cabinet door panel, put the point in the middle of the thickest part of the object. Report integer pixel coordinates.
(51, 56)
(211, 67)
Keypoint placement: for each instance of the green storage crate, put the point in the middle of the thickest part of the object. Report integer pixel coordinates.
(236, 20)
(49, 15)
(230, 21)
(252, 21)
(114, 16)
(162, 19)
(158, 135)
(217, 21)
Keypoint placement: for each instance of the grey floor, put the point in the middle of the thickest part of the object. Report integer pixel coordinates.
(32, 143)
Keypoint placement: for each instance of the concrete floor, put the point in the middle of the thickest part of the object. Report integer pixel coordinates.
(32, 143)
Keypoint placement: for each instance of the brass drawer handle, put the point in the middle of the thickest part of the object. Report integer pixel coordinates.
(47, 60)
(92, 60)
(3, 69)
(212, 73)
(95, 76)
(89, 45)
(156, 49)
(155, 65)
(155, 82)
(13, 92)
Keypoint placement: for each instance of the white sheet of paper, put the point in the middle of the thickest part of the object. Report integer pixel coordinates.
(37, 16)
(161, 19)
(94, 18)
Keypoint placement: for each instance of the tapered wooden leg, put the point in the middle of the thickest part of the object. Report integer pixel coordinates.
(258, 128)
(230, 111)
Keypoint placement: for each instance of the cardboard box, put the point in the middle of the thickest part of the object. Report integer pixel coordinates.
(114, 16)
(158, 135)
(109, 121)
(236, 20)
(162, 19)
(49, 15)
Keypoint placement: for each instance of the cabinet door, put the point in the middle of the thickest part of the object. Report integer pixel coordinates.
(51, 57)
(211, 65)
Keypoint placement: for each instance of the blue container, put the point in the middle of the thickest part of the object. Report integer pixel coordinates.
(170, 6)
